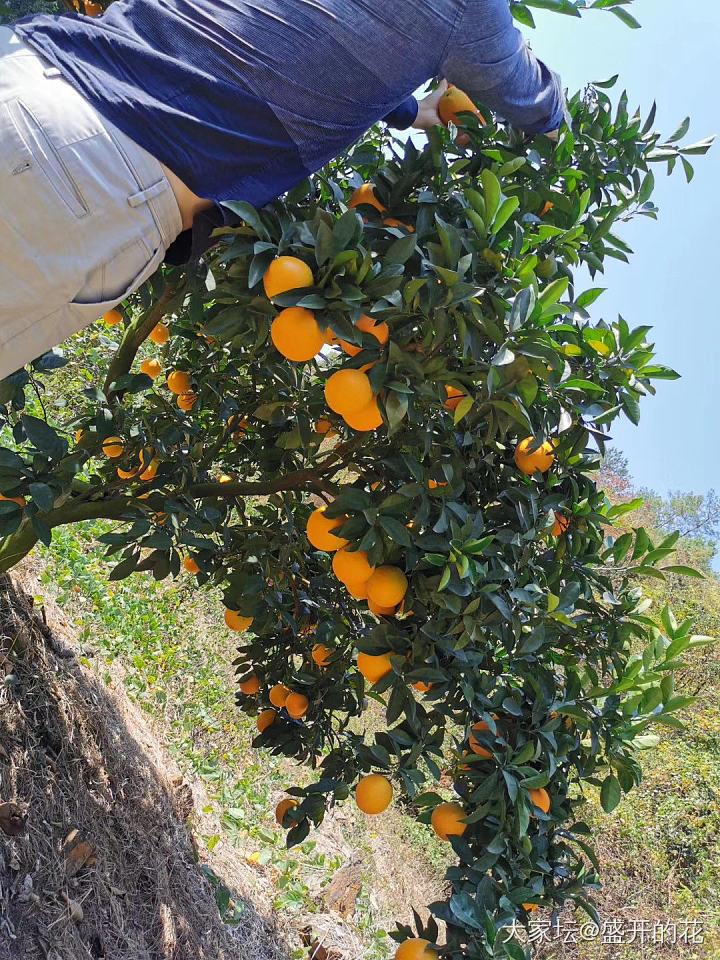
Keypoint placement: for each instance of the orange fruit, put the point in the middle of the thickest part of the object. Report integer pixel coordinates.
(378, 610)
(113, 447)
(78, 435)
(352, 566)
(415, 949)
(282, 808)
(321, 654)
(179, 382)
(379, 330)
(286, 273)
(186, 401)
(330, 338)
(529, 461)
(265, 719)
(150, 472)
(319, 529)
(561, 525)
(422, 686)
(151, 368)
(160, 334)
(126, 474)
(20, 501)
(93, 9)
(434, 484)
(373, 793)
(369, 418)
(374, 668)
(392, 222)
(454, 397)
(453, 102)
(297, 334)
(224, 478)
(250, 686)
(366, 195)
(475, 745)
(546, 208)
(278, 695)
(447, 820)
(348, 391)
(235, 621)
(531, 907)
(325, 428)
(387, 586)
(297, 705)
(357, 590)
(190, 564)
(112, 318)
(541, 798)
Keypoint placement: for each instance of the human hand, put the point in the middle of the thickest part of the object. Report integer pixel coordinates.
(428, 115)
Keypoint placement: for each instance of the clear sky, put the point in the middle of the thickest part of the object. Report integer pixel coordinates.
(672, 282)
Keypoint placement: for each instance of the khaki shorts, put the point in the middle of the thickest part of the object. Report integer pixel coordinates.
(86, 214)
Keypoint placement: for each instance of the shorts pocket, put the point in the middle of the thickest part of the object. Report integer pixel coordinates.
(34, 147)
(117, 279)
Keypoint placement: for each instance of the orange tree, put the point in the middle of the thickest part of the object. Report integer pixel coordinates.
(394, 484)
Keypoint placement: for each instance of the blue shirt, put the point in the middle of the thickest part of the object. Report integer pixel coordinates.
(243, 99)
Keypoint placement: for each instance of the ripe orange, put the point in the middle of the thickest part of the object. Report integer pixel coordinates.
(422, 686)
(530, 461)
(531, 907)
(20, 501)
(113, 447)
(561, 524)
(348, 391)
(374, 668)
(224, 478)
(434, 484)
(379, 330)
(330, 338)
(78, 435)
(366, 195)
(160, 334)
(321, 654)
(297, 334)
(378, 610)
(265, 719)
(190, 564)
(387, 586)
(235, 621)
(547, 207)
(325, 428)
(278, 695)
(126, 474)
(541, 798)
(453, 102)
(150, 472)
(286, 273)
(475, 744)
(250, 686)
(352, 566)
(373, 793)
(415, 949)
(369, 418)
(447, 820)
(93, 9)
(112, 318)
(357, 590)
(297, 705)
(319, 529)
(178, 382)
(151, 368)
(186, 401)
(454, 397)
(282, 808)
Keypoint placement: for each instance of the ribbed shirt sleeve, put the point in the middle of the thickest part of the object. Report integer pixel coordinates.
(403, 116)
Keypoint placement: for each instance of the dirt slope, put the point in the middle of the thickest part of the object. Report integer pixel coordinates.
(99, 862)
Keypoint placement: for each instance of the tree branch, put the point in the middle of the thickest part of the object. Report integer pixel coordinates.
(138, 332)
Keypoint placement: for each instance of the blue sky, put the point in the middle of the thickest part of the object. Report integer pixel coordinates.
(671, 281)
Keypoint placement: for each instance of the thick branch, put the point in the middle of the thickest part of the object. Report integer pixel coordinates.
(138, 332)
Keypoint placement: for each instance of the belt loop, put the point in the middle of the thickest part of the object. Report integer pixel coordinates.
(135, 199)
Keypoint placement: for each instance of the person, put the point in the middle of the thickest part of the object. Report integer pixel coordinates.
(122, 136)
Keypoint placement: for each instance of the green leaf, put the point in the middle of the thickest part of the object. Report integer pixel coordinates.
(507, 209)
(43, 437)
(492, 194)
(627, 18)
(43, 496)
(683, 571)
(249, 214)
(610, 793)
(397, 531)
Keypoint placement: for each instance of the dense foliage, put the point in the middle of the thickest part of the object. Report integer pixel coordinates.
(523, 611)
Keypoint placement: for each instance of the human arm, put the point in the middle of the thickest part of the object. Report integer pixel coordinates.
(404, 115)
(494, 64)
